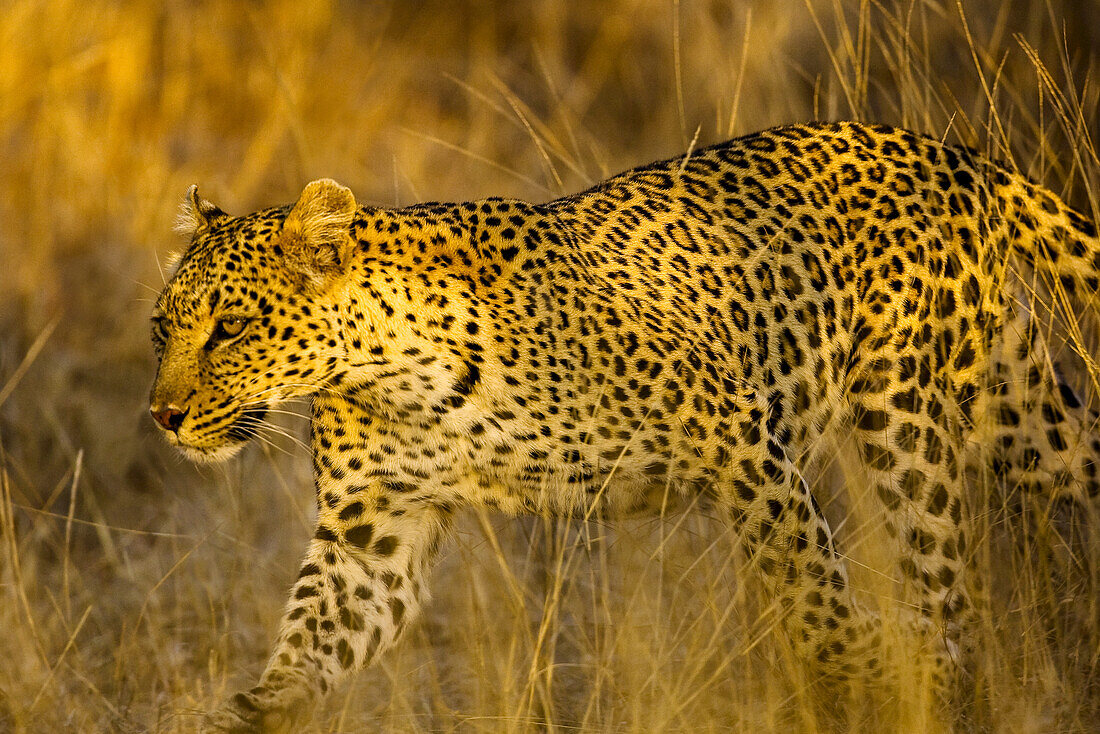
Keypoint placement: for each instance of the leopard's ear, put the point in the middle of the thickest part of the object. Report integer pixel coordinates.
(317, 231)
(197, 213)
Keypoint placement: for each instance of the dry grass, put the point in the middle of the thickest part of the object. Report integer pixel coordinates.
(136, 590)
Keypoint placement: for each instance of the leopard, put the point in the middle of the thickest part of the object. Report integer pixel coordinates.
(689, 329)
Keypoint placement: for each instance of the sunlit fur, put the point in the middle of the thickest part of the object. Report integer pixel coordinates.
(684, 332)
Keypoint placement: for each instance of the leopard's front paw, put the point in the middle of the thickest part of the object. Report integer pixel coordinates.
(259, 711)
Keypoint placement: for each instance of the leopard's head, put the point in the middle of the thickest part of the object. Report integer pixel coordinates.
(249, 317)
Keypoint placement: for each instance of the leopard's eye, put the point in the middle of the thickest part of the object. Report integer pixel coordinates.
(159, 333)
(228, 328)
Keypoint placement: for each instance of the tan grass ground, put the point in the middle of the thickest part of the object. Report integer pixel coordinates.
(137, 590)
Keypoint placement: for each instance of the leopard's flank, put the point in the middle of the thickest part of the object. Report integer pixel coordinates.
(694, 327)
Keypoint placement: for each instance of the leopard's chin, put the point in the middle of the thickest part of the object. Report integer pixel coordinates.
(211, 455)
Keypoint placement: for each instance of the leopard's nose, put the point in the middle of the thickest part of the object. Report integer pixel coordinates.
(170, 417)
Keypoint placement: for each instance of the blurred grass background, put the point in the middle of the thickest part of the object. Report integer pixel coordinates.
(137, 590)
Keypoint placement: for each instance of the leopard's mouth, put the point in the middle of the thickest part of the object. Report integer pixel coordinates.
(244, 427)
(247, 425)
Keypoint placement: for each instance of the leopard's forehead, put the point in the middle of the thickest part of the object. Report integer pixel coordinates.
(225, 265)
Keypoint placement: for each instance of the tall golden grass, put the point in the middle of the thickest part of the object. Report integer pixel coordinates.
(137, 590)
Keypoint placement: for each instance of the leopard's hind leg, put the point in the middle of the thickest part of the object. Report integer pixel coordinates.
(843, 640)
(1038, 446)
(908, 431)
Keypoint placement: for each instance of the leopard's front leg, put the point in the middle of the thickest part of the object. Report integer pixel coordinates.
(359, 586)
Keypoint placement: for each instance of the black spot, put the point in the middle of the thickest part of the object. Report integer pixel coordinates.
(908, 400)
(469, 380)
(1057, 442)
(351, 620)
(921, 541)
(869, 420)
(397, 608)
(385, 545)
(360, 535)
(352, 511)
(938, 501)
(1069, 397)
(878, 457)
(744, 491)
(911, 482)
(345, 654)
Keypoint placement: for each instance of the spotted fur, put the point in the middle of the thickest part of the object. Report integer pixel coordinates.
(691, 327)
